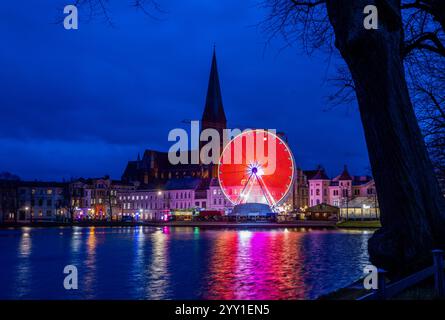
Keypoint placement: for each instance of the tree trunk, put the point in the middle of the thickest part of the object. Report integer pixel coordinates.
(412, 206)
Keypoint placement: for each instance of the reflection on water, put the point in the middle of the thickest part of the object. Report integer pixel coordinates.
(23, 271)
(179, 263)
(139, 255)
(256, 265)
(90, 263)
(158, 274)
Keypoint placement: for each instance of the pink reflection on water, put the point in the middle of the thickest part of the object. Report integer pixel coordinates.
(256, 265)
(222, 266)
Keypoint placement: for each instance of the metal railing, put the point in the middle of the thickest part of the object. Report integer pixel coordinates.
(386, 291)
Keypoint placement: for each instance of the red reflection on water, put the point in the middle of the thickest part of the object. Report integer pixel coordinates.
(256, 265)
(222, 266)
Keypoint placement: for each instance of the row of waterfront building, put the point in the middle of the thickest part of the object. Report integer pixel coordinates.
(152, 188)
(178, 198)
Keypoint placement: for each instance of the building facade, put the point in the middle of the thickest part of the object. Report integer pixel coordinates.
(216, 199)
(41, 201)
(178, 198)
(352, 194)
(96, 198)
(8, 200)
(298, 197)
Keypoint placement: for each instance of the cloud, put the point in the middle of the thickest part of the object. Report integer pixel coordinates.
(109, 92)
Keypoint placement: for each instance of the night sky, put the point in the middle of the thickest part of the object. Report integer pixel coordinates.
(83, 102)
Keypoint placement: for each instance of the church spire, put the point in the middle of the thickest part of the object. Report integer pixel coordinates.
(214, 116)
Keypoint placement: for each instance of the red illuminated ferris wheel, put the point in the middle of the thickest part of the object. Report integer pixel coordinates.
(256, 166)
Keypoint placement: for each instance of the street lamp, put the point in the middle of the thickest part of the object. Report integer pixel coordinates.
(30, 217)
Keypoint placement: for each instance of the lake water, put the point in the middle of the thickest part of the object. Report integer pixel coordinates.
(179, 263)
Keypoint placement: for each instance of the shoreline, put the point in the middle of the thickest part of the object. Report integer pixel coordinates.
(206, 224)
(302, 224)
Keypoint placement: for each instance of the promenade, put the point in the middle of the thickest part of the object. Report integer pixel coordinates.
(208, 224)
(202, 224)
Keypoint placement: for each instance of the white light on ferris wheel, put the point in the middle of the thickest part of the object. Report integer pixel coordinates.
(255, 168)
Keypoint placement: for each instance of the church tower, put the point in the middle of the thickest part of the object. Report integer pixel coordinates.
(214, 115)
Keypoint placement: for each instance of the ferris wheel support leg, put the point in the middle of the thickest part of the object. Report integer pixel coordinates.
(242, 191)
(264, 192)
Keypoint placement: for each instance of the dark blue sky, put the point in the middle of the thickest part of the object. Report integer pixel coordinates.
(84, 102)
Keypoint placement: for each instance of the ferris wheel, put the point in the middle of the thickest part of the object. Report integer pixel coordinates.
(256, 166)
